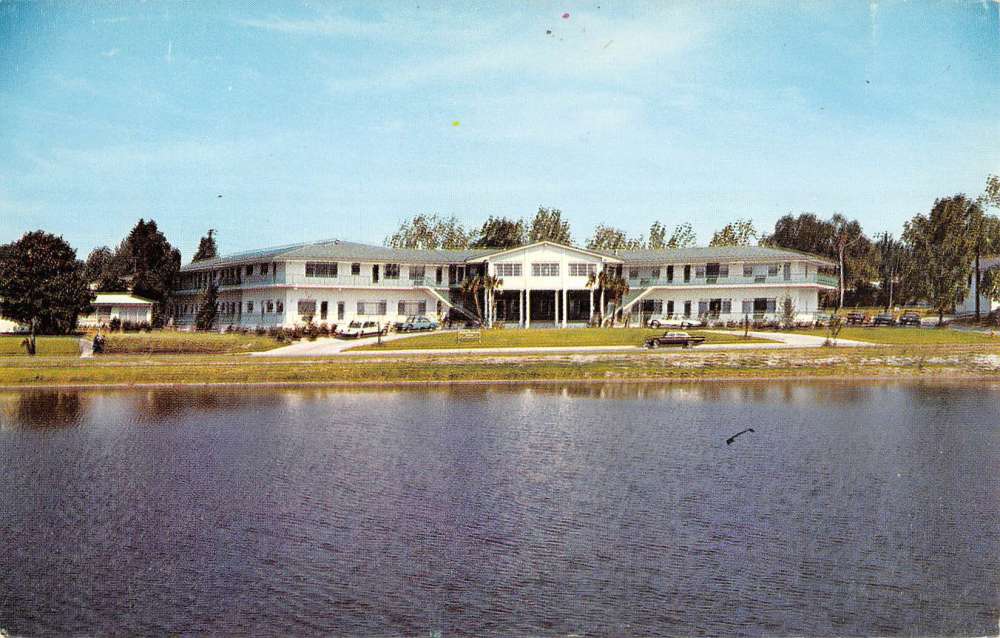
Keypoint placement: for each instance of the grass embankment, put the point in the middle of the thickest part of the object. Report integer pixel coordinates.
(918, 361)
(10, 345)
(542, 338)
(157, 342)
(897, 335)
(871, 311)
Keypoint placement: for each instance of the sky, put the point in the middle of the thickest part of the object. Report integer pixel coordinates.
(276, 123)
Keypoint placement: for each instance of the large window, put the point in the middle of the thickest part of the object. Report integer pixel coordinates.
(392, 271)
(307, 308)
(633, 273)
(263, 269)
(582, 270)
(417, 273)
(355, 269)
(371, 307)
(544, 270)
(320, 269)
(408, 308)
(508, 270)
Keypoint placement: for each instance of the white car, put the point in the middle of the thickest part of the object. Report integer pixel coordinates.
(358, 329)
(661, 321)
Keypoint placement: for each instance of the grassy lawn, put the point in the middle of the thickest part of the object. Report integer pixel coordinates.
(47, 346)
(909, 336)
(871, 311)
(163, 342)
(543, 338)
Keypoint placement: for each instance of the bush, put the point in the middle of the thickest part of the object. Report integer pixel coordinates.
(115, 324)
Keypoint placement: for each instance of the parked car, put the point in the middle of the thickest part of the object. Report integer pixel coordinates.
(856, 319)
(358, 329)
(885, 319)
(677, 338)
(910, 319)
(398, 326)
(413, 324)
(662, 321)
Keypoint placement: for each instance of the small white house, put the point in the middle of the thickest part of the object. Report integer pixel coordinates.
(123, 306)
(986, 305)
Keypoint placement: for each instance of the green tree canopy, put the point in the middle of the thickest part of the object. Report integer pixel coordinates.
(429, 232)
(548, 225)
(151, 264)
(206, 247)
(208, 311)
(610, 238)
(104, 272)
(500, 232)
(42, 284)
(738, 233)
(941, 248)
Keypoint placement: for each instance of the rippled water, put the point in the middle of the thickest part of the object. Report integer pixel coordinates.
(549, 510)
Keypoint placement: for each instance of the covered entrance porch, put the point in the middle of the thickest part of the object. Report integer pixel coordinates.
(540, 308)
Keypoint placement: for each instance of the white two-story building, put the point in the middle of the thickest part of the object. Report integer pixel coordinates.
(544, 283)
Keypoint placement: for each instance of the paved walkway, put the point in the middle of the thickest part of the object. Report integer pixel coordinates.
(338, 347)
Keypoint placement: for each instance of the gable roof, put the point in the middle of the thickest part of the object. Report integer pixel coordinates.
(121, 299)
(495, 252)
(696, 254)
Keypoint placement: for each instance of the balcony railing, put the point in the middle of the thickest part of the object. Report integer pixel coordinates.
(777, 280)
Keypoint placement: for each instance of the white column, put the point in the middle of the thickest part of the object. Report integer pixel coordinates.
(590, 316)
(527, 308)
(565, 306)
(520, 308)
(555, 310)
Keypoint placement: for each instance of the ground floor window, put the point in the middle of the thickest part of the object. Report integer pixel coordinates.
(307, 309)
(340, 310)
(371, 307)
(323, 306)
(407, 308)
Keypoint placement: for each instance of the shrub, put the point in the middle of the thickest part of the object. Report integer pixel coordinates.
(115, 324)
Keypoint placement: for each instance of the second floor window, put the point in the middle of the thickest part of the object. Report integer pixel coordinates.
(392, 271)
(249, 306)
(508, 270)
(544, 270)
(263, 269)
(582, 270)
(320, 269)
(417, 273)
(249, 270)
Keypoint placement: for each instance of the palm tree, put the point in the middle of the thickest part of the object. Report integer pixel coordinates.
(617, 287)
(491, 284)
(600, 282)
(471, 287)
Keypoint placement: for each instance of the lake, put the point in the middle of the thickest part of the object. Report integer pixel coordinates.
(853, 509)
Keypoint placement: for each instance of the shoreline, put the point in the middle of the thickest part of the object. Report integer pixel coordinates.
(808, 378)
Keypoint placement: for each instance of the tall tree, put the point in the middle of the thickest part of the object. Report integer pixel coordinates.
(610, 238)
(548, 225)
(151, 264)
(984, 230)
(208, 311)
(657, 236)
(682, 237)
(892, 261)
(42, 284)
(452, 234)
(104, 271)
(941, 248)
(738, 233)
(206, 247)
(500, 232)
(429, 232)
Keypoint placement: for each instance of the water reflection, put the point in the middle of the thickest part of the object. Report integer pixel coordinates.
(545, 509)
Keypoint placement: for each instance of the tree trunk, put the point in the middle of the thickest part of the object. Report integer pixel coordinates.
(977, 284)
(31, 339)
(891, 277)
(840, 254)
(602, 306)
(940, 317)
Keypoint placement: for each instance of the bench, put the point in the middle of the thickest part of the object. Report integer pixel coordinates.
(469, 336)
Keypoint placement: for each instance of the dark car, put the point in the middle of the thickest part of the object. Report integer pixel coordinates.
(885, 319)
(910, 319)
(681, 339)
(856, 318)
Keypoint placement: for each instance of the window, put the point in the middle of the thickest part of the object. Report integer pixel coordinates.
(748, 270)
(249, 306)
(747, 305)
(355, 269)
(772, 270)
(727, 306)
(371, 307)
(702, 307)
(307, 308)
(340, 310)
(322, 310)
(772, 305)
(582, 270)
(320, 269)
(670, 308)
(654, 273)
(249, 270)
(270, 305)
(392, 271)
(263, 269)
(687, 308)
(280, 306)
(687, 274)
(407, 308)
(417, 273)
(633, 273)
(670, 273)
(509, 270)
(723, 270)
(544, 270)
(699, 272)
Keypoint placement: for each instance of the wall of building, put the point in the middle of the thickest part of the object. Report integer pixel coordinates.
(806, 300)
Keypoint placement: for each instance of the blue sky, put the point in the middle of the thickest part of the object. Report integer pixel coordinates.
(319, 120)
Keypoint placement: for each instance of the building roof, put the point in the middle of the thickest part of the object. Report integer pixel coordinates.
(496, 252)
(696, 254)
(338, 250)
(120, 299)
